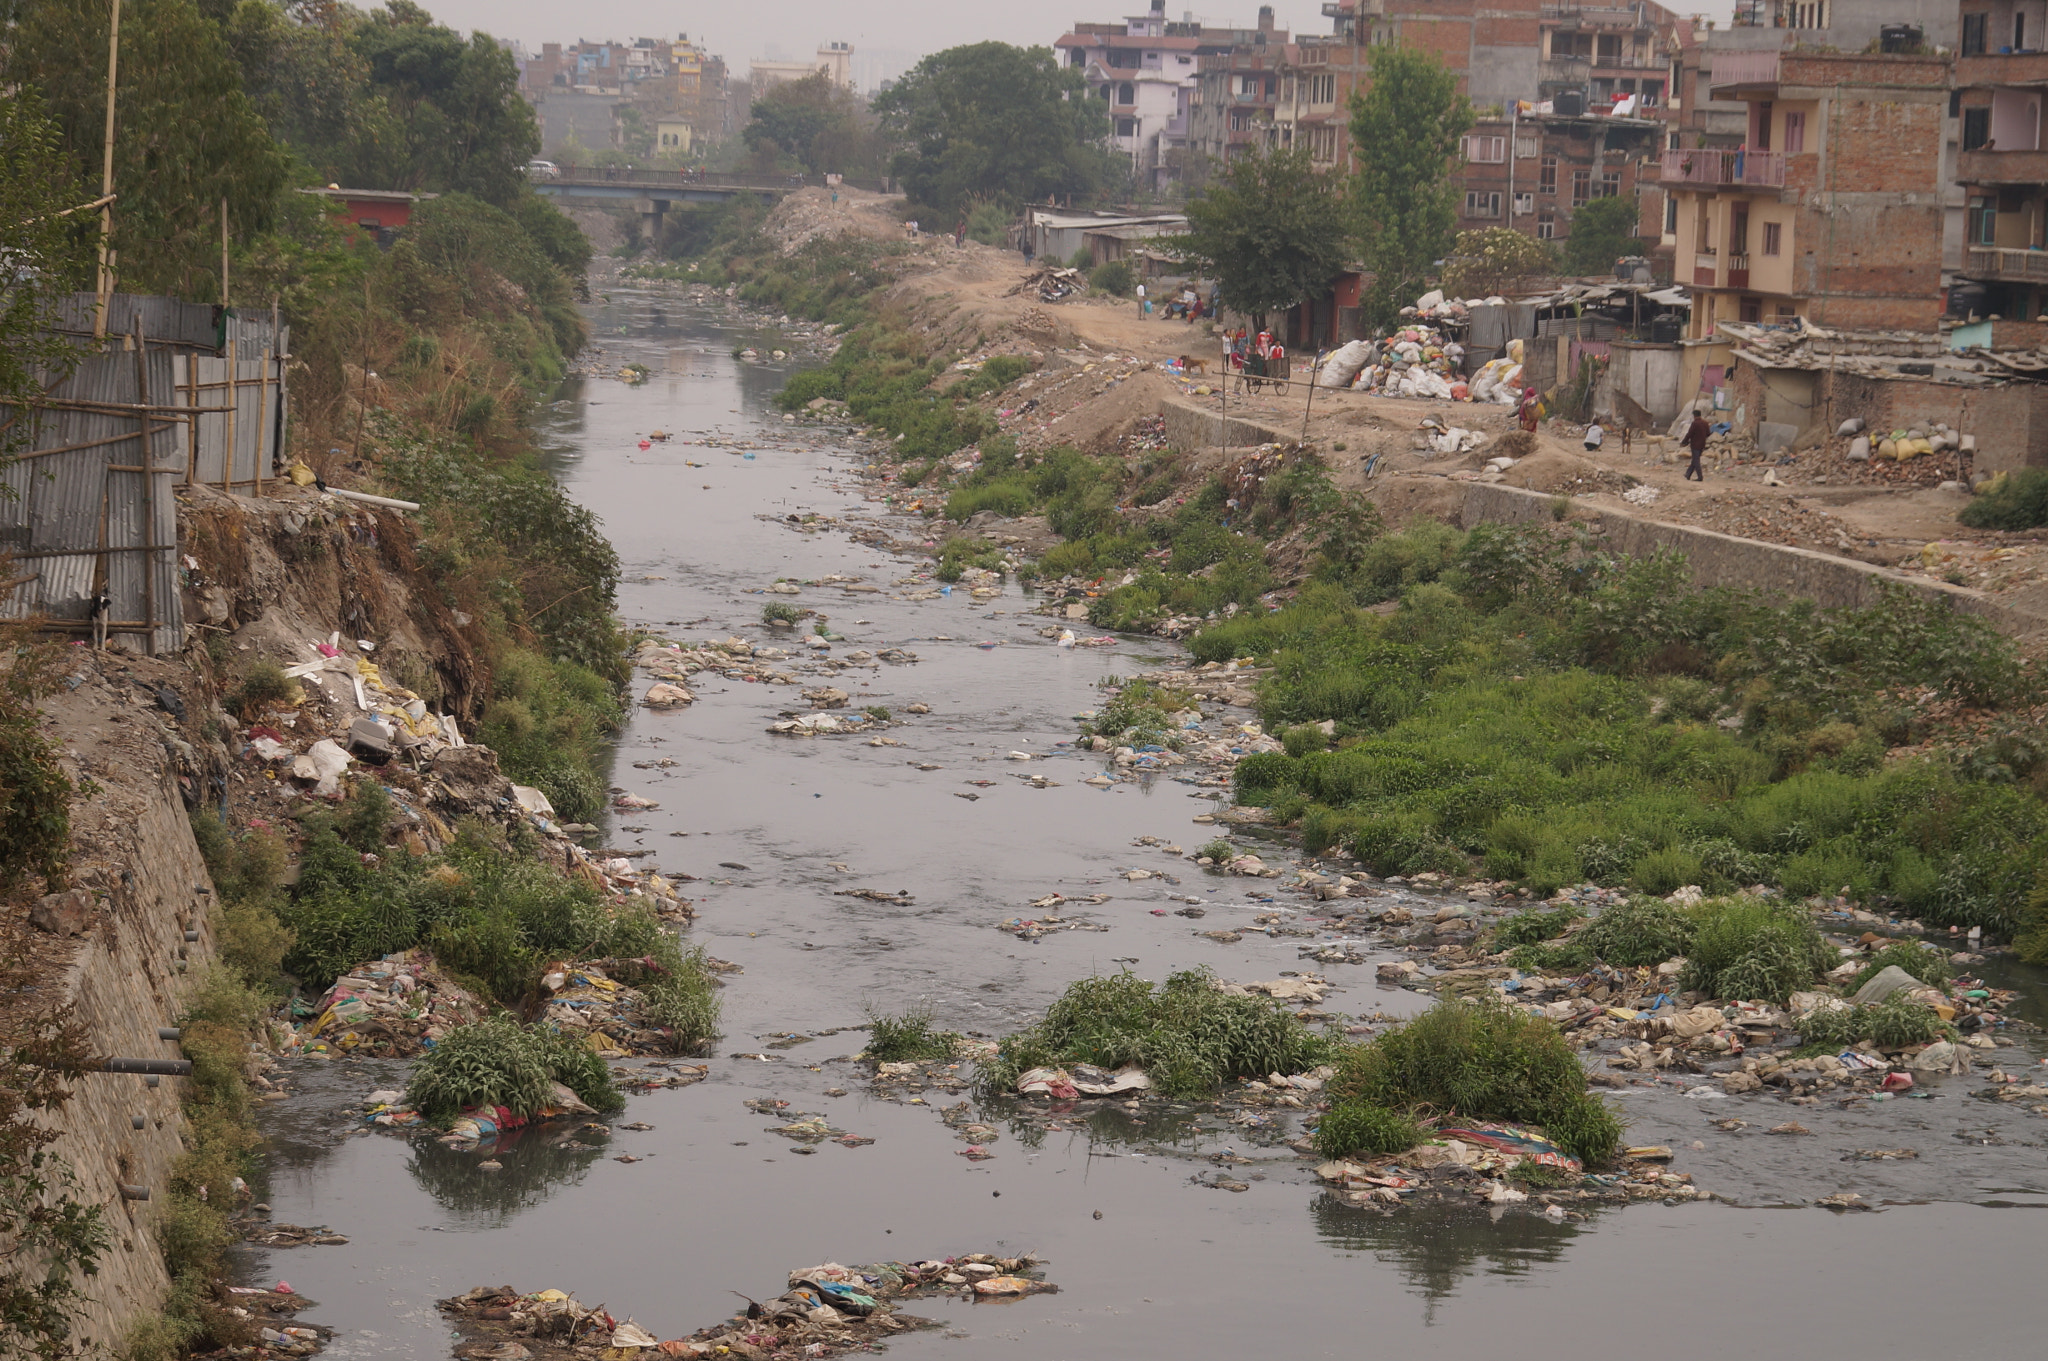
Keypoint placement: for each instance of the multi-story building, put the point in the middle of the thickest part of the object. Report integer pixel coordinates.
(1569, 97)
(1144, 70)
(2001, 79)
(1236, 95)
(1831, 209)
(834, 60)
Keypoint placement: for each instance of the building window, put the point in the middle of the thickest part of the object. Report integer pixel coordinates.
(1322, 144)
(1322, 89)
(1752, 309)
(1526, 148)
(1976, 127)
(1546, 176)
(1670, 214)
(1127, 93)
(1774, 238)
(1486, 150)
(1546, 228)
(1983, 224)
(1582, 186)
(1610, 184)
(1524, 204)
(1127, 127)
(1249, 86)
(1478, 204)
(1795, 133)
(1974, 26)
(1608, 50)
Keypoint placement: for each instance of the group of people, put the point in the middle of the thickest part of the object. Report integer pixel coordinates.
(1256, 360)
(1695, 438)
(1188, 305)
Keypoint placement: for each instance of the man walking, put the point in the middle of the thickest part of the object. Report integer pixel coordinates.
(1696, 440)
(1141, 302)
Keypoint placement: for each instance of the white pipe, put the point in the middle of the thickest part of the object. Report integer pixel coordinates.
(370, 500)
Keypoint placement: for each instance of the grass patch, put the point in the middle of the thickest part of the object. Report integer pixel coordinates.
(1479, 1061)
(1628, 935)
(1747, 949)
(1187, 1036)
(908, 1038)
(780, 612)
(264, 686)
(499, 1062)
(1894, 1023)
(2014, 500)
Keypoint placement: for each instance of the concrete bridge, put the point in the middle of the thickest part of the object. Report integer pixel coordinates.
(654, 192)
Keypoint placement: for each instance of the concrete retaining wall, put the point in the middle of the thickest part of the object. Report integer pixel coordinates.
(129, 977)
(1724, 560)
(1192, 429)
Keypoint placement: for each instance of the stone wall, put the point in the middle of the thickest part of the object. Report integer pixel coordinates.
(131, 975)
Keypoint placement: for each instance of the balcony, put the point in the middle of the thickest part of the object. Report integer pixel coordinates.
(1563, 70)
(2002, 167)
(1712, 168)
(1738, 271)
(2001, 68)
(2014, 266)
(1706, 269)
(1743, 71)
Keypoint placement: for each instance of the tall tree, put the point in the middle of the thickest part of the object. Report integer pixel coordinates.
(1406, 128)
(1272, 228)
(994, 121)
(186, 135)
(1601, 232)
(45, 235)
(820, 124)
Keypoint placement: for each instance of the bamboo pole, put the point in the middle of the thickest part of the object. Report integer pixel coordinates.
(106, 280)
(148, 490)
(262, 424)
(227, 463)
(223, 252)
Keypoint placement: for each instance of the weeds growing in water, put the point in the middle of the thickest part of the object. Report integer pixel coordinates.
(780, 612)
(1219, 850)
(1748, 949)
(499, 1062)
(1187, 1036)
(1894, 1023)
(1478, 1060)
(907, 1038)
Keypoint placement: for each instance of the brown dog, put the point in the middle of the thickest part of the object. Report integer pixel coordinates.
(1191, 365)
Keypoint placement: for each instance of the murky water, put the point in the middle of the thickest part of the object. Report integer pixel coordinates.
(1170, 1268)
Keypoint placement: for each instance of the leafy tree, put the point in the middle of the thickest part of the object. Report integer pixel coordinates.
(997, 121)
(1406, 128)
(454, 105)
(794, 115)
(1272, 228)
(1602, 231)
(186, 136)
(1492, 259)
(47, 246)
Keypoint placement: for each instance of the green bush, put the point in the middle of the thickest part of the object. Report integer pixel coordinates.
(263, 686)
(1746, 949)
(1480, 1060)
(1894, 1023)
(1187, 1036)
(1360, 1127)
(495, 1062)
(2015, 500)
(1113, 277)
(902, 1039)
(1628, 935)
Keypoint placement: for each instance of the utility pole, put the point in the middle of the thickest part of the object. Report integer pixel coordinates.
(106, 276)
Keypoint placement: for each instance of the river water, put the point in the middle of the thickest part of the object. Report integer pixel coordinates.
(1149, 1263)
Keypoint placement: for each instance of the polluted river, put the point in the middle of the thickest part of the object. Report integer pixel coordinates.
(1169, 1230)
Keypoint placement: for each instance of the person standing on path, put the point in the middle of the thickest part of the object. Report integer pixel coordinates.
(960, 233)
(1696, 440)
(1141, 302)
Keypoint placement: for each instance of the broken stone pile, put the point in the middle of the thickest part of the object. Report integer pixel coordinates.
(826, 1310)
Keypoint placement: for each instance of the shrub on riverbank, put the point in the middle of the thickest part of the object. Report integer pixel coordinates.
(1189, 1037)
(1478, 1060)
(2014, 500)
(1605, 723)
(499, 1062)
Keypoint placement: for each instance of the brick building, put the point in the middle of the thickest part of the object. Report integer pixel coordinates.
(2001, 80)
(1831, 210)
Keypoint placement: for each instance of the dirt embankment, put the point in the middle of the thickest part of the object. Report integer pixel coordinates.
(146, 739)
(1104, 368)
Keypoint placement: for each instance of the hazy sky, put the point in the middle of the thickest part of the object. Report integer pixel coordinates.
(896, 31)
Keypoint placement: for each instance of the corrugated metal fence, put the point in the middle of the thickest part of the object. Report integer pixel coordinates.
(178, 393)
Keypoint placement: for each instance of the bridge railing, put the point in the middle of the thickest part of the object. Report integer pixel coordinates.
(687, 179)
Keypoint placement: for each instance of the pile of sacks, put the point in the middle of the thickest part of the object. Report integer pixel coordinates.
(1904, 444)
(1500, 380)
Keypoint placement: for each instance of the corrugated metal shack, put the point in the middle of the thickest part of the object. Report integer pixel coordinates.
(177, 393)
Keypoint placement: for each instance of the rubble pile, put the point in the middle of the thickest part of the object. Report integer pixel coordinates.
(826, 1310)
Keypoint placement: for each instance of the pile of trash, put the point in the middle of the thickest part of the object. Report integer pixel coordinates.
(1052, 283)
(1905, 444)
(393, 1007)
(257, 1308)
(1479, 1161)
(402, 1004)
(826, 1310)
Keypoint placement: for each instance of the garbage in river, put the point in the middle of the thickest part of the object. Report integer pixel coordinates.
(825, 1310)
